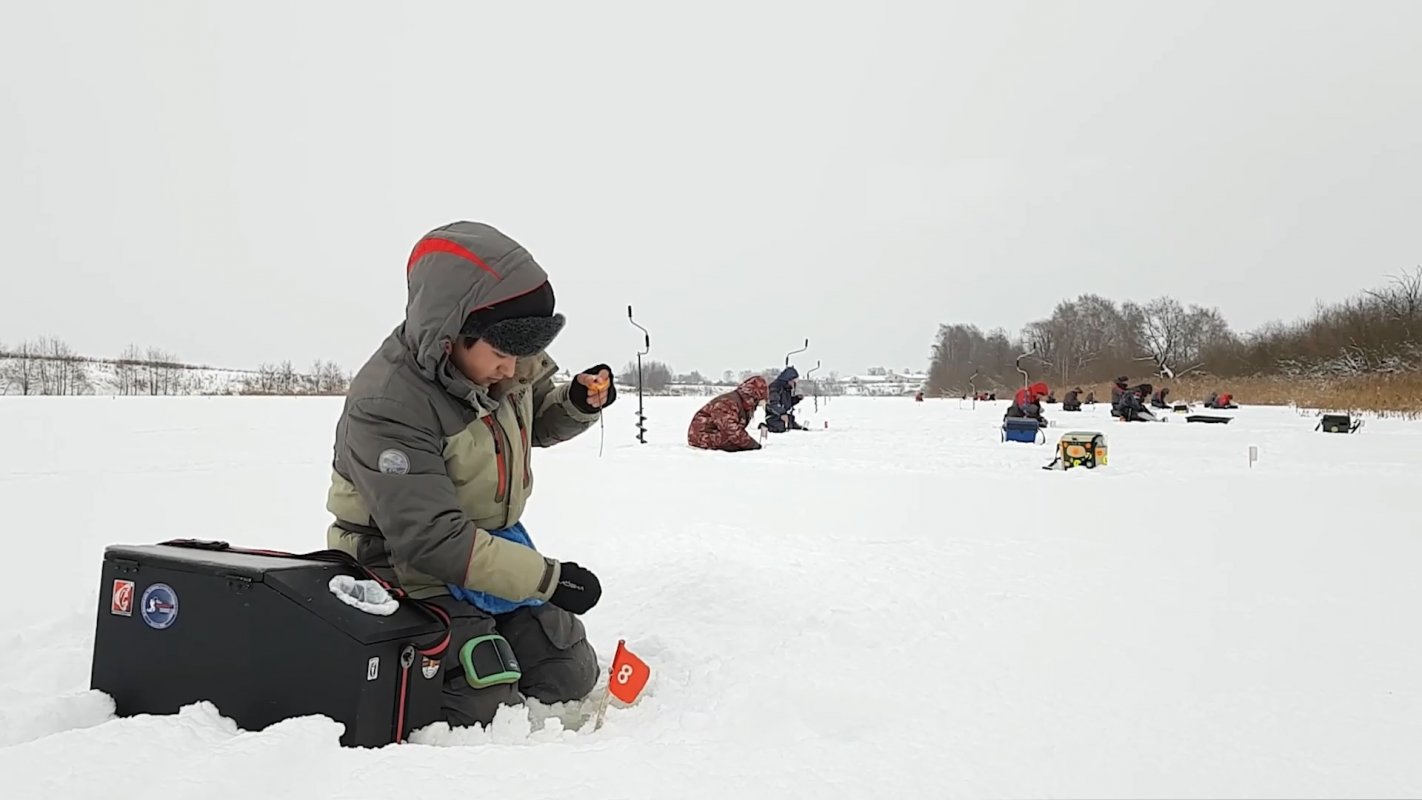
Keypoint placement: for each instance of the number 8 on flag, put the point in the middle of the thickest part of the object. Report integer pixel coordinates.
(628, 676)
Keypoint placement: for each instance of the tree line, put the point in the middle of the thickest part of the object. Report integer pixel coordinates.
(43, 366)
(659, 377)
(324, 378)
(49, 366)
(1092, 340)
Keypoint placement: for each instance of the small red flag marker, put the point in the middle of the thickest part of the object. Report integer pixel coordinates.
(626, 679)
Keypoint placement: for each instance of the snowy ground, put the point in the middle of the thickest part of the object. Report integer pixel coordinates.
(897, 606)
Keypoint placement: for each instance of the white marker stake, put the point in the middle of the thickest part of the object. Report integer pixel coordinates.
(1253, 455)
(602, 711)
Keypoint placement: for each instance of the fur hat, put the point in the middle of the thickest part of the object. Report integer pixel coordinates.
(521, 326)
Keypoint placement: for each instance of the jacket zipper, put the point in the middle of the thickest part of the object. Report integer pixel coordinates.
(523, 436)
(501, 494)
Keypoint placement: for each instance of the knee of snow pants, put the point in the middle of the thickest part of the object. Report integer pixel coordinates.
(706, 440)
(559, 663)
(556, 660)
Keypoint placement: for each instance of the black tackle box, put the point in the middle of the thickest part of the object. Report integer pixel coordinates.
(261, 637)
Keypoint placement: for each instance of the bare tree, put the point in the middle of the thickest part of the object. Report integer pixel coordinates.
(286, 378)
(21, 371)
(328, 378)
(1040, 345)
(46, 366)
(1167, 337)
(1402, 300)
(1101, 340)
(63, 371)
(126, 371)
(163, 374)
(963, 355)
(263, 381)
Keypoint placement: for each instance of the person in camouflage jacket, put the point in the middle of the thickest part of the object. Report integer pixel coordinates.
(432, 469)
(721, 423)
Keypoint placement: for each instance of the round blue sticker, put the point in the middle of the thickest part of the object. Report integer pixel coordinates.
(159, 606)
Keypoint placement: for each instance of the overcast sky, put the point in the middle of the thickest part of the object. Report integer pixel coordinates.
(242, 181)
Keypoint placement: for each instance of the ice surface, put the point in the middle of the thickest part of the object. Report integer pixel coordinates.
(896, 606)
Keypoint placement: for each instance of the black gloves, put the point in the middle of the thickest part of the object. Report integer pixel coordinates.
(578, 393)
(578, 589)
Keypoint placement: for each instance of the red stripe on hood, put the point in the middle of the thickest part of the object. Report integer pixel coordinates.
(435, 245)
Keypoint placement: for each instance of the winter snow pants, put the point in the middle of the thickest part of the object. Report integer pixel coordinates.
(556, 659)
(778, 425)
(719, 440)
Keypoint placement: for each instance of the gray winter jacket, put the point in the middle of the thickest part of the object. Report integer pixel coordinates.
(426, 462)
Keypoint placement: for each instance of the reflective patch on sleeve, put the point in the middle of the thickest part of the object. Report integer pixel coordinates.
(393, 462)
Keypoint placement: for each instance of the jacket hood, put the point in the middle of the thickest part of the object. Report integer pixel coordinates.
(786, 375)
(753, 390)
(452, 271)
(1039, 388)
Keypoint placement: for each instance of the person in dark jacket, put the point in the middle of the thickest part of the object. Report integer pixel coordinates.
(1118, 390)
(1132, 406)
(1072, 400)
(721, 423)
(1158, 400)
(779, 407)
(1217, 400)
(1028, 403)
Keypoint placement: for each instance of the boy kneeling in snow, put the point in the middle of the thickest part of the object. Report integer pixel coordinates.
(721, 423)
(432, 470)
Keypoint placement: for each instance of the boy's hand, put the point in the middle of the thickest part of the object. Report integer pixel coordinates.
(592, 390)
(578, 589)
(597, 386)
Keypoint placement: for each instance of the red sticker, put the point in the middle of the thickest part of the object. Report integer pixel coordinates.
(121, 601)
